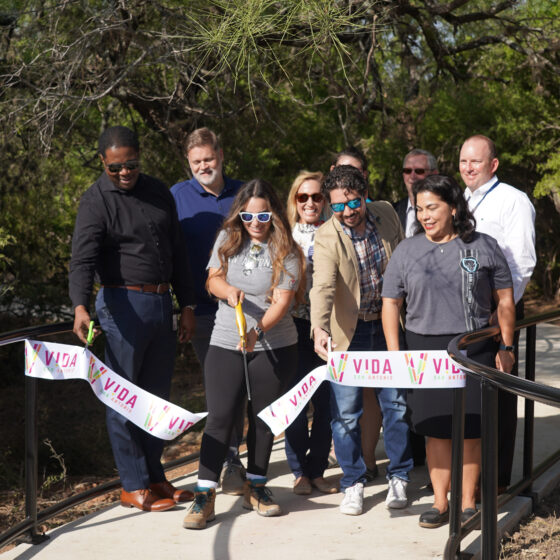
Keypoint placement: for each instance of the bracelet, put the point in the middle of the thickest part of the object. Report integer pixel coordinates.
(507, 348)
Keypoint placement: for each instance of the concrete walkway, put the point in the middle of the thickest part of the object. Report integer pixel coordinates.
(311, 525)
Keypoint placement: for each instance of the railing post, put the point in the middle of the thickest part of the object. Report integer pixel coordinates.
(31, 459)
(453, 546)
(489, 478)
(529, 424)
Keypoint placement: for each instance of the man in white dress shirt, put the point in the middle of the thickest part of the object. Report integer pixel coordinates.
(505, 213)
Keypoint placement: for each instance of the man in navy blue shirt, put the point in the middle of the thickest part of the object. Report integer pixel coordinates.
(202, 203)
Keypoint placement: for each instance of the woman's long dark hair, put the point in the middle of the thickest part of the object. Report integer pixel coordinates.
(449, 191)
(280, 241)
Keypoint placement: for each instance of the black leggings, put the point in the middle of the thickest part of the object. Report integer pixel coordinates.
(224, 377)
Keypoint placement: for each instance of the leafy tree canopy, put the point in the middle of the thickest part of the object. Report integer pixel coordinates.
(286, 83)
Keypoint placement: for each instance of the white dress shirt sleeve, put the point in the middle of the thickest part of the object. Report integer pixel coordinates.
(508, 216)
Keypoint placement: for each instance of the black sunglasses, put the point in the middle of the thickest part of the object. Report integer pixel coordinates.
(116, 167)
(419, 171)
(304, 197)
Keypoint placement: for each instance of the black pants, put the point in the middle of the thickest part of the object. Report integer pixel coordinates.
(269, 374)
(507, 416)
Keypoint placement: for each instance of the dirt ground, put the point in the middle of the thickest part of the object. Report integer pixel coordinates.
(539, 536)
(86, 450)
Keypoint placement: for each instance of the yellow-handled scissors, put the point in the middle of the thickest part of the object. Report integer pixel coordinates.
(241, 324)
(242, 329)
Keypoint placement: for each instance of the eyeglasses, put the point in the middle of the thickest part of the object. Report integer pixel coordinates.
(248, 217)
(353, 204)
(304, 197)
(419, 171)
(116, 167)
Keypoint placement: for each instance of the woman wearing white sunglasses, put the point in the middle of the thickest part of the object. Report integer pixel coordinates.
(255, 261)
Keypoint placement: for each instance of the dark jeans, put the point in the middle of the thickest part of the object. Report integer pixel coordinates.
(308, 452)
(140, 346)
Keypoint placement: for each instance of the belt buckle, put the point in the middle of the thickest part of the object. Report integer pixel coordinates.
(158, 288)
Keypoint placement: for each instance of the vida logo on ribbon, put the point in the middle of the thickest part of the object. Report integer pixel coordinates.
(52, 361)
(337, 372)
(416, 373)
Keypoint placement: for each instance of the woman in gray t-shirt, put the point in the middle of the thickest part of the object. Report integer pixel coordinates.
(450, 277)
(255, 261)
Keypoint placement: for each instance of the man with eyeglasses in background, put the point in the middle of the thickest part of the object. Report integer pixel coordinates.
(417, 164)
(202, 203)
(350, 255)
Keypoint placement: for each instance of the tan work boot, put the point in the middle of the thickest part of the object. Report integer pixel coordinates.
(201, 510)
(232, 479)
(257, 496)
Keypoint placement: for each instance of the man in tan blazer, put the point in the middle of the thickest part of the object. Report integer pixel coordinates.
(350, 255)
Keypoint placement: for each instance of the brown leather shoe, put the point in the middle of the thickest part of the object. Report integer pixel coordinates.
(166, 490)
(302, 486)
(323, 486)
(145, 500)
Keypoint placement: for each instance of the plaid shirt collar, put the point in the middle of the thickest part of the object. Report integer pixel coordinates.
(370, 227)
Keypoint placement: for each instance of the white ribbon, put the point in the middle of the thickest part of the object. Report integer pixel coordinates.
(432, 369)
(162, 419)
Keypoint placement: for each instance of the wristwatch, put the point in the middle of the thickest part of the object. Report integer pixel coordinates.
(507, 348)
(260, 333)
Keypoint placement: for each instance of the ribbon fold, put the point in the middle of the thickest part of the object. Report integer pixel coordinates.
(162, 419)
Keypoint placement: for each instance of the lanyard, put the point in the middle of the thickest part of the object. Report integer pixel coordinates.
(486, 194)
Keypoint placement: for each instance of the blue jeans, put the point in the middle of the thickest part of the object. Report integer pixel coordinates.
(139, 346)
(346, 410)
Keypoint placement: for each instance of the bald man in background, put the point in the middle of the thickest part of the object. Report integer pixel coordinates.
(506, 214)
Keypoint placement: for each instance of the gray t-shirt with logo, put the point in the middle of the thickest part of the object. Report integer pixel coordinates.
(447, 287)
(251, 271)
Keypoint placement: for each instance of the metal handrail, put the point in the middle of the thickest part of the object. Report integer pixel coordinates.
(39, 331)
(27, 529)
(491, 380)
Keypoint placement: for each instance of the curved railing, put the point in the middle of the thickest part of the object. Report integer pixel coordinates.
(491, 381)
(27, 529)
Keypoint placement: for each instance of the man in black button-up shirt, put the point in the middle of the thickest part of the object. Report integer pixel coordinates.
(128, 238)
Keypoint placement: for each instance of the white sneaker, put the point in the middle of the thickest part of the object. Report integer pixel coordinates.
(353, 500)
(396, 496)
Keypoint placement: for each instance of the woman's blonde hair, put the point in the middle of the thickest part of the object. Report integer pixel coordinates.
(280, 241)
(293, 216)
